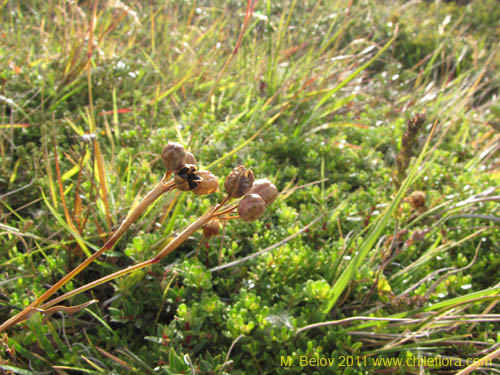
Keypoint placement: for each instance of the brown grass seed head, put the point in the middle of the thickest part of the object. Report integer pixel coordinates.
(251, 207)
(238, 182)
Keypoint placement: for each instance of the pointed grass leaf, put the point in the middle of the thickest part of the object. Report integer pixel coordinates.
(84, 245)
(373, 235)
(15, 370)
(348, 79)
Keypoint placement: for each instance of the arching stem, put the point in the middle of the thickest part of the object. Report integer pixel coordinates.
(164, 186)
(171, 246)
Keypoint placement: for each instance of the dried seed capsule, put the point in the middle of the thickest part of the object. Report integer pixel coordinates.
(251, 207)
(190, 159)
(185, 170)
(265, 189)
(208, 183)
(211, 228)
(173, 156)
(416, 199)
(187, 178)
(238, 182)
(181, 183)
(192, 180)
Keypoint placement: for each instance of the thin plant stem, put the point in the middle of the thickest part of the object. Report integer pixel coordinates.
(480, 362)
(154, 194)
(227, 210)
(248, 16)
(171, 246)
(97, 282)
(267, 249)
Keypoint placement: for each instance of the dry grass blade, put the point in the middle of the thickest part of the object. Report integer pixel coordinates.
(432, 252)
(90, 50)
(29, 311)
(11, 126)
(227, 362)
(248, 15)
(174, 244)
(490, 307)
(114, 358)
(103, 185)
(356, 318)
(67, 215)
(480, 362)
(161, 188)
(452, 272)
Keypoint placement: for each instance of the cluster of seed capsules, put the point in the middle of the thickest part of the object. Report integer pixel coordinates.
(256, 194)
(186, 176)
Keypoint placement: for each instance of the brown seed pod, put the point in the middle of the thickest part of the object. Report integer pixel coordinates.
(173, 155)
(186, 170)
(211, 228)
(181, 183)
(186, 178)
(265, 189)
(207, 184)
(251, 207)
(190, 159)
(416, 199)
(238, 182)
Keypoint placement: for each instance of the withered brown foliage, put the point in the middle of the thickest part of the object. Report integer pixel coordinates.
(409, 141)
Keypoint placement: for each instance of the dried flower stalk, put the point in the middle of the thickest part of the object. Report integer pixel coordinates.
(407, 151)
(186, 177)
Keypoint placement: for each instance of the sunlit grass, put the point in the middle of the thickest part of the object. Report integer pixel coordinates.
(316, 95)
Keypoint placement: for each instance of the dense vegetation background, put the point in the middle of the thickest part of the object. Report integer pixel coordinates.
(333, 101)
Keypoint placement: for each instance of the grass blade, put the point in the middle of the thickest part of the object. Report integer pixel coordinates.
(81, 242)
(371, 238)
(348, 79)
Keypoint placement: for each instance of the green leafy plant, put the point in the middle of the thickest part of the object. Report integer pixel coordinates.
(382, 245)
(239, 183)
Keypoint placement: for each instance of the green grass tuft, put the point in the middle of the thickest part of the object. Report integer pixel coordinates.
(316, 96)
